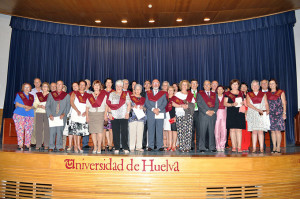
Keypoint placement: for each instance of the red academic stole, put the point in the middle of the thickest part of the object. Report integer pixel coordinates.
(274, 96)
(97, 102)
(221, 103)
(175, 99)
(232, 96)
(41, 97)
(121, 102)
(58, 97)
(108, 92)
(153, 98)
(210, 101)
(27, 102)
(139, 102)
(82, 99)
(256, 99)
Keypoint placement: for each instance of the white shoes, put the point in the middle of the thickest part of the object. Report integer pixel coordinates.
(116, 151)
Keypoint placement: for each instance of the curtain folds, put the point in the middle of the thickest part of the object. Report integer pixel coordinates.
(246, 50)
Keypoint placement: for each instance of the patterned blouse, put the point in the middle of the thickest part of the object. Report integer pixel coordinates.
(133, 117)
(121, 112)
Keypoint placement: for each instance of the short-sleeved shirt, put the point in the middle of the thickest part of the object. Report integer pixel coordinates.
(21, 111)
(121, 112)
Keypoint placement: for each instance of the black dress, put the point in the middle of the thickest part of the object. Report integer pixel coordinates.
(235, 119)
(172, 115)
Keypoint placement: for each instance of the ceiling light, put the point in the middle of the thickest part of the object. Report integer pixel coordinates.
(179, 19)
(98, 21)
(150, 6)
(151, 21)
(206, 19)
(124, 21)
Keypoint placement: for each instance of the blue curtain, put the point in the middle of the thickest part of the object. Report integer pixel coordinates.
(246, 50)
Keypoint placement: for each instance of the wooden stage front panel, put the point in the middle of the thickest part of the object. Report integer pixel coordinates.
(125, 176)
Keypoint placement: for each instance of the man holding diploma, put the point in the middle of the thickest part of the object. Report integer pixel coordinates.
(57, 107)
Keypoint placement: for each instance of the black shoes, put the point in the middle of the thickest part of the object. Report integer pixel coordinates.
(214, 150)
(161, 149)
(149, 149)
(202, 151)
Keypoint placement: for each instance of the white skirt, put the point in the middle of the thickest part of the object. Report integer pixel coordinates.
(167, 125)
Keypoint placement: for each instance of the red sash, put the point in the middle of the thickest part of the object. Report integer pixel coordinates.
(153, 98)
(27, 102)
(274, 96)
(41, 97)
(97, 102)
(58, 97)
(232, 96)
(71, 93)
(137, 101)
(108, 92)
(175, 99)
(82, 99)
(210, 101)
(121, 102)
(221, 103)
(256, 99)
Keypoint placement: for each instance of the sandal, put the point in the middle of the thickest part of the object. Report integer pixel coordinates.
(233, 150)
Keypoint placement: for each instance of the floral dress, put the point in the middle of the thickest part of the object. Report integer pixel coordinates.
(276, 112)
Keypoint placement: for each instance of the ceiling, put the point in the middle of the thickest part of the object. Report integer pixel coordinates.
(137, 13)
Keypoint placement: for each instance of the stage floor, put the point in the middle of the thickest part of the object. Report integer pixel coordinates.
(155, 174)
(193, 153)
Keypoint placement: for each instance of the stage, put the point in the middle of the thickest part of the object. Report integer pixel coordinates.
(36, 174)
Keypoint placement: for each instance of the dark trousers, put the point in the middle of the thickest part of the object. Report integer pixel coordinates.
(120, 131)
(145, 135)
(196, 129)
(207, 126)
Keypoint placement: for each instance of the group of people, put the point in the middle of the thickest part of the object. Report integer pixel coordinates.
(153, 116)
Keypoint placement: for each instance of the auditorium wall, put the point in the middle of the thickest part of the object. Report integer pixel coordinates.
(5, 33)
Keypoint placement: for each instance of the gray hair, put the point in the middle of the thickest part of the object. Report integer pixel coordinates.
(166, 82)
(119, 82)
(138, 85)
(254, 81)
(125, 80)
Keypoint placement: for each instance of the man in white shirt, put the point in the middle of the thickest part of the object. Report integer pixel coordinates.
(196, 126)
(264, 84)
(37, 88)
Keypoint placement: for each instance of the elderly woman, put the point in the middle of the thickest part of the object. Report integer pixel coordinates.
(78, 126)
(172, 133)
(95, 111)
(277, 105)
(24, 116)
(235, 120)
(167, 126)
(118, 109)
(42, 124)
(220, 128)
(136, 123)
(184, 103)
(257, 118)
(107, 131)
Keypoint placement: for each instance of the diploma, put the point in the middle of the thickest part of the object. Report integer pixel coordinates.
(239, 101)
(56, 122)
(139, 113)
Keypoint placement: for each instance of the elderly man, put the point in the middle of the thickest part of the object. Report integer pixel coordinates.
(208, 105)
(214, 86)
(156, 102)
(57, 107)
(53, 86)
(37, 88)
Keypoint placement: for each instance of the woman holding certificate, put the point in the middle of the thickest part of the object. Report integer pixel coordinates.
(24, 116)
(137, 119)
(257, 115)
(95, 111)
(42, 124)
(78, 126)
(184, 103)
(118, 109)
(235, 120)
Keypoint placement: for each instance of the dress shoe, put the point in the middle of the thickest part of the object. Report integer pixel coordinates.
(214, 150)
(32, 145)
(202, 151)
(149, 149)
(161, 149)
(51, 150)
(61, 150)
(86, 147)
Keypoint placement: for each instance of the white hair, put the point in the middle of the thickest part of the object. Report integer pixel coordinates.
(119, 82)
(125, 80)
(254, 81)
(138, 85)
(166, 82)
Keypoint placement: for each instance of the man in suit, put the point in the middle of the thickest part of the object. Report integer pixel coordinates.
(208, 104)
(147, 87)
(156, 102)
(58, 105)
(196, 126)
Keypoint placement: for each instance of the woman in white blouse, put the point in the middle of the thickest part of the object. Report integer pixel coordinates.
(184, 104)
(42, 125)
(119, 105)
(95, 111)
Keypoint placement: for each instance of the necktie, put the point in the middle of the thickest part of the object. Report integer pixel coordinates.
(208, 94)
(196, 106)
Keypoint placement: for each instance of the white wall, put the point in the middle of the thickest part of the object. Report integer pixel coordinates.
(5, 33)
(297, 46)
